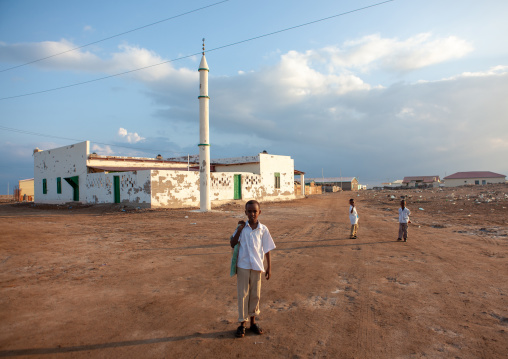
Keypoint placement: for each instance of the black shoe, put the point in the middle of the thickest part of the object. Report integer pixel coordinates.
(405, 239)
(399, 239)
(240, 332)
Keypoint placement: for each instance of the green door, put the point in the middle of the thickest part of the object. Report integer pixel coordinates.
(116, 181)
(74, 182)
(238, 187)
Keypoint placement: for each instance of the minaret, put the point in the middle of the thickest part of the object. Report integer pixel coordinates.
(204, 143)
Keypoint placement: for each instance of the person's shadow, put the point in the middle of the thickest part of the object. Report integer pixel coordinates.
(58, 350)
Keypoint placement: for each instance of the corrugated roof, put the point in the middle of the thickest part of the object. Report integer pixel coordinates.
(474, 174)
(424, 179)
(330, 179)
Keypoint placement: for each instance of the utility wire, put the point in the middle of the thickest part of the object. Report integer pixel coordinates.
(111, 37)
(198, 53)
(148, 150)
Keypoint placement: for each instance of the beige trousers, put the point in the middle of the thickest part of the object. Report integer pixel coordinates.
(249, 293)
(354, 229)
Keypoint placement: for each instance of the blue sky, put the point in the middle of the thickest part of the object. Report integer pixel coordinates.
(409, 87)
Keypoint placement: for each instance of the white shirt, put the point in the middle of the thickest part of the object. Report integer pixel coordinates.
(404, 215)
(254, 244)
(353, 217)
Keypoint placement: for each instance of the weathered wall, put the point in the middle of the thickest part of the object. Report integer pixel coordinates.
(68, 161)
(98, 161)
(134, 188)
(269, 165)
(238, 168)
(222, 186)
(174, 189)
(471, 181)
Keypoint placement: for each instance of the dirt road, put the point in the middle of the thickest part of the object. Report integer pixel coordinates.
(102, 283)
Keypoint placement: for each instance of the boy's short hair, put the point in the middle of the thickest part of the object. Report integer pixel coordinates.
(351, 200)
(252, 201)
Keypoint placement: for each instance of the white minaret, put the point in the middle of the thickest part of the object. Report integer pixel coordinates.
(204, 141)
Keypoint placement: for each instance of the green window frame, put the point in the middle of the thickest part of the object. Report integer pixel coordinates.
(277, 180)
(59, 185)
(44, 186)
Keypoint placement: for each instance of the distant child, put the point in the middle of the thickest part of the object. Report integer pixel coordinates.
(403, 220)
(353, 217)
(255, 242)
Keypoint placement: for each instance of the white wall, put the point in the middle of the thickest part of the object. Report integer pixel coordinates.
(134, 188)
(174, 189)
(471, 181)
(237, 168)
(68, 161)
(221, 186)
(270, 164)
(98, 161)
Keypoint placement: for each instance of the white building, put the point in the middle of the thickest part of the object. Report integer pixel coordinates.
(71, 173)
(472, 178)
(421, 181)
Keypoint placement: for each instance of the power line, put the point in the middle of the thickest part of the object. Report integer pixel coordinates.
(111, 37)
(198, 53)
(148, 150)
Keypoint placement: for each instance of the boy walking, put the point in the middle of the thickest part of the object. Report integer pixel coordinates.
(403, 220)
(255, 243)
(353, 218)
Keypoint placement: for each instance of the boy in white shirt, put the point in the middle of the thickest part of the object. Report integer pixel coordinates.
(255, 242)
(403, 220)
(353, 218)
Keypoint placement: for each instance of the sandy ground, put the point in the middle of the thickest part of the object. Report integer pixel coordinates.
(105, 283)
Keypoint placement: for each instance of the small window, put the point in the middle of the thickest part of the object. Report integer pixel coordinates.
(59, 185)
(44, 186)
(277, 180)
(484, 181)
(476, 181)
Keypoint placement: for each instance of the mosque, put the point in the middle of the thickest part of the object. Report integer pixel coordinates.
(72, 173)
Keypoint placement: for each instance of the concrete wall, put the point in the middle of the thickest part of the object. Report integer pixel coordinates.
(238, 168)
(134, 188)
(222, 186)
(68, 161)
(471, 181)
(271, 164)
(158, 188)
(174, 189)
(98, 161)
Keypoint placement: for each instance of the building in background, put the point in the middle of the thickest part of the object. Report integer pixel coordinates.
(71, 173)
(473, 178)
(335, 184)
(25, 191)
(421, 181)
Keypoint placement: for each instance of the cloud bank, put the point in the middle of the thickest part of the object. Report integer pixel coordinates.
(323, 107)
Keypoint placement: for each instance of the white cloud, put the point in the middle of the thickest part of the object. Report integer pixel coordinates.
(128, 58)
(130, 137)
(320, 101)
(373, 51)
(88, 28)
(102, 150)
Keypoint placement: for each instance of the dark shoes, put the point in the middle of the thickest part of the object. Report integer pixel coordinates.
(399, 239)
(240, 332)
(405, 239)
(256, 329)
